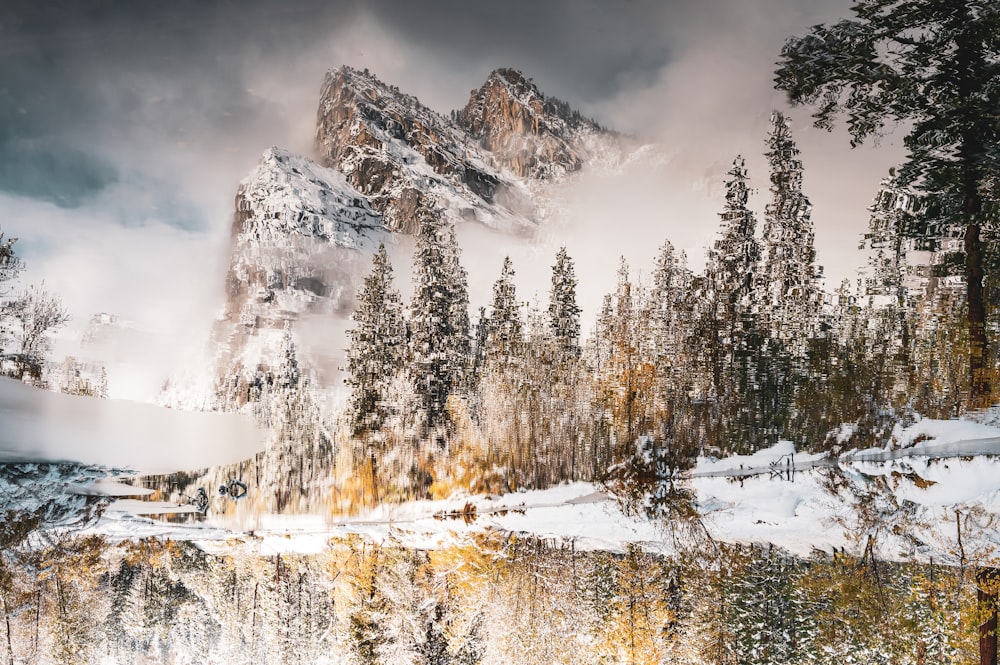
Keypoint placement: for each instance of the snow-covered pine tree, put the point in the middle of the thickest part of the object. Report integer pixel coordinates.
(439, 315)
(299, 449)
(733, 269)
(288, 374)
(769, 621)
(670, 317)
(377, 346)
(790, 269)
(479, 349)
(461, 341)
(505, 317)
(735, 351)
(564, 313)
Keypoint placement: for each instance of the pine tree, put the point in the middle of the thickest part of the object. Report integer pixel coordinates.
(733, 269)
(789, 268)
(564, 313)
(736, 352)
(299, 449)
(377, 346)
(505, 317)
(479, 349)
(439, 314)
(892, 307)
(932, 65)
(769, 619)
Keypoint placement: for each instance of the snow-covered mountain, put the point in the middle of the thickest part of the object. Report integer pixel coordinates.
(304, 230)
(301, 233)
(296, 224)
(406, 157)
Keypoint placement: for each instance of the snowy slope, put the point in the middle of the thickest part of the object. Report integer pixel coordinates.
(289, 195)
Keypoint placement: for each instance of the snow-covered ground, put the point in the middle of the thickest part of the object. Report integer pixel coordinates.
(935, 481)
(802, 503)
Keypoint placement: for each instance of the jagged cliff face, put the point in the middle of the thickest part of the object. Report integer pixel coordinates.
(301, 235)
(532, 135)
(405, 157)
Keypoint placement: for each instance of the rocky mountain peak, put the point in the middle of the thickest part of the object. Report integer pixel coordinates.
(301, 235)
(406, 157)
(533, 135)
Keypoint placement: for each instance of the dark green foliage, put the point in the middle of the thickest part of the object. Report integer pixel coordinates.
(504, 336)
(933, 65)
(790, 273)
(769, 621)
(564, 313)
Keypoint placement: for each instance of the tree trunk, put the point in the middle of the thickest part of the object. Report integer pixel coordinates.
(986, 596)
(10, 642)
(979, 379)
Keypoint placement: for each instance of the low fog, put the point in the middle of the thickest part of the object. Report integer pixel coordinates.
(41, 425)
(125, 129)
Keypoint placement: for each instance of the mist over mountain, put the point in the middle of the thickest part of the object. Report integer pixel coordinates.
(304, 227)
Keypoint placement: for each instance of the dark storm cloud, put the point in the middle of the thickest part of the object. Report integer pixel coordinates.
(583, 50)
(94, 92)
(96, 79)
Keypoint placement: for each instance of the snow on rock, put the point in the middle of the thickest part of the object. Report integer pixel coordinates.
(407, 158)
(290, 195)
(302, 238)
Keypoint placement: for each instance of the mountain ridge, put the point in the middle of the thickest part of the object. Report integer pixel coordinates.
(303, 228)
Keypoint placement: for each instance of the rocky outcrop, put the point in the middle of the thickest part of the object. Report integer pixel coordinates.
(301, 236)
(534, 136)
(405, 157)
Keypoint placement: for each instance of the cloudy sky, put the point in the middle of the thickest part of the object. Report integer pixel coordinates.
(126, 126)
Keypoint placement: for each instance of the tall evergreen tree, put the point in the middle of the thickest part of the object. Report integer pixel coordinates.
(789, 268)
(439, 314)
(737, 354)
(889, 239)
(564, 313)
(299, 449)
(377, 345)
(933, 65)
(734, 268)
(505, 319)
(479, 348)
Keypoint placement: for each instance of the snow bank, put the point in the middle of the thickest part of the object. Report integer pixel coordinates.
(928, 432)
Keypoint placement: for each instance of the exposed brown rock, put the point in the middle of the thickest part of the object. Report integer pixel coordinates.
(366, 129)
(533, 135)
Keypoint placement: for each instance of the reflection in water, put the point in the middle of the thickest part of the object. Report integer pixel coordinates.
(488, 598)
(72, 596)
